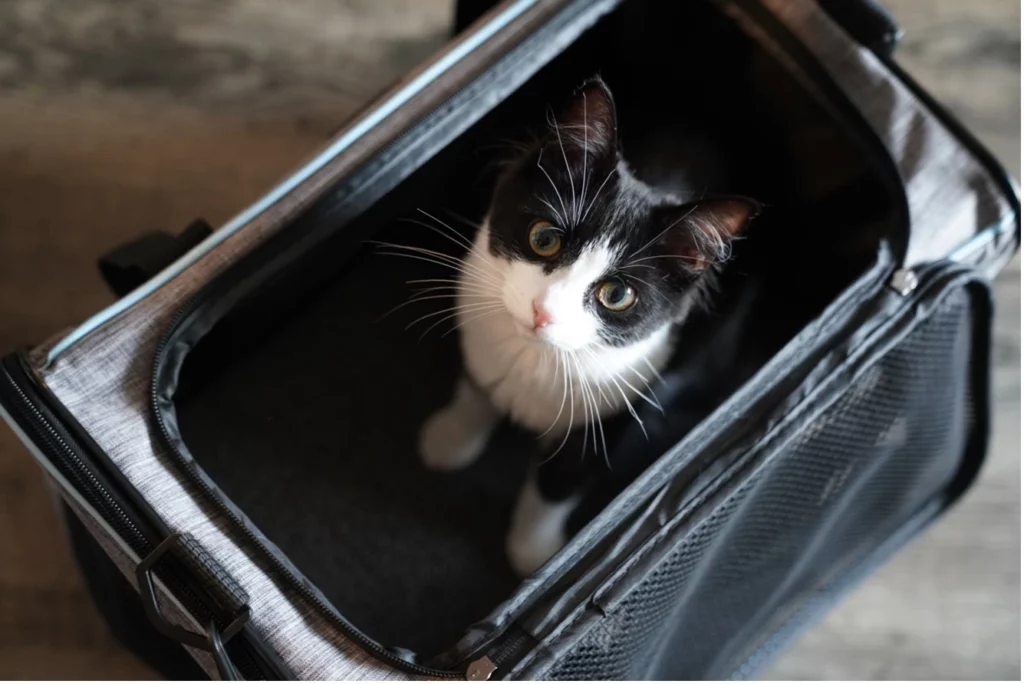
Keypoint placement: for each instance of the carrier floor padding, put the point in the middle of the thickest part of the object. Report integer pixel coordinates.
(312, 433)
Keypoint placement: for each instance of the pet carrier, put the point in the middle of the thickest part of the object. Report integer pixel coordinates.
(236, 434)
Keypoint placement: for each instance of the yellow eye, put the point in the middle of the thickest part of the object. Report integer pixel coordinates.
(545, 239)
(615, 295)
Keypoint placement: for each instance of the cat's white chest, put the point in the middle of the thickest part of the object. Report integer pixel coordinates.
(524, 380)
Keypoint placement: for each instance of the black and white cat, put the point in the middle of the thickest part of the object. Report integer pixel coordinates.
(568, 302)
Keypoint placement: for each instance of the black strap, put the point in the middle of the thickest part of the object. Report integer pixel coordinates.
(468, 11)
(868, 22)
(128, 266)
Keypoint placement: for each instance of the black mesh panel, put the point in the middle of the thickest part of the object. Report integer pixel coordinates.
(831, 495)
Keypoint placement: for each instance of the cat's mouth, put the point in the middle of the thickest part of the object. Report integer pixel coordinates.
(540, 337)
(526, 330)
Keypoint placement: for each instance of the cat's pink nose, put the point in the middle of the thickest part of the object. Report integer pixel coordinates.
(541, 317)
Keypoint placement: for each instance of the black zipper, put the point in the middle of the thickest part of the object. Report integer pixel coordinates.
(515, 644)
(66, 454)
(56, 446)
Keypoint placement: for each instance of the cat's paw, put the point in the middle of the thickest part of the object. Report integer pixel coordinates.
(527, 552)
(448, 443)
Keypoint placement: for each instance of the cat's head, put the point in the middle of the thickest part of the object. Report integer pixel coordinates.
(588, 255)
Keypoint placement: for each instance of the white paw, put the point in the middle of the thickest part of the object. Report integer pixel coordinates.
(448, 443)
(527, 552)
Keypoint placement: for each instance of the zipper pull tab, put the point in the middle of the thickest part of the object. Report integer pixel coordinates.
(481, 669)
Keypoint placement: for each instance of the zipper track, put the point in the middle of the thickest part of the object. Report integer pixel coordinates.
(516, 643)
(86, 481)
(64, 453)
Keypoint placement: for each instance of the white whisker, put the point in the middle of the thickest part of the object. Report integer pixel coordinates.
(565, 215)
(599, 426)
(678, 257)
(659, 292)
(462, 308)
(468, 320)
(629, 406)
(551, 208)
(456, 237)
(572, 184)
(423, 295)
(662, 233)
(485, 309)
(428, 297)
(597, 194)
(463, 219)
(591, 412)
(586, 419)
(458, 266)
(652, 400)
(454, 260)
(654, 370)
(435, 229)
(461, 287)
(572, 410)
(583, 189)
(561, 406)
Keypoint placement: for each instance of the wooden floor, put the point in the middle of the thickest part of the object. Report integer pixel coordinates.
(118, 118)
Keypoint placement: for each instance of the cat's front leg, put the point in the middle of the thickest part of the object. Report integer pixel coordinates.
(552, 491)
(455, 436)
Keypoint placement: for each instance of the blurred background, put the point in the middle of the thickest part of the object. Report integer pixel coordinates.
(122, 116)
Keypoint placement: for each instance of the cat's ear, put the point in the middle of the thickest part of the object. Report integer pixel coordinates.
(701, 233)
(589, 120)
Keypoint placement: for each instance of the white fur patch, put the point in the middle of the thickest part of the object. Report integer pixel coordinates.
(456, 435)
(538, 529)
(566, 375)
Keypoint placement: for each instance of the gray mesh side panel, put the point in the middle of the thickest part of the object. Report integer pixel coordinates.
(820, 504)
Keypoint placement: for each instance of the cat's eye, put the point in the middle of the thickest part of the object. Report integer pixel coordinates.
(545, 238)
(615, 295)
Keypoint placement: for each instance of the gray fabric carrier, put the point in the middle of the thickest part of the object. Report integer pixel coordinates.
(242, 426)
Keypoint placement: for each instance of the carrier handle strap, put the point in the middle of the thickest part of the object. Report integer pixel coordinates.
(126, 267)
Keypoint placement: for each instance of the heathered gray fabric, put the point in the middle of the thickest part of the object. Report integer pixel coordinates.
(104, 379)
(104, 382)
(951, 196)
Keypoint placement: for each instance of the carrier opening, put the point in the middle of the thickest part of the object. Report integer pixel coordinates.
(302, 400)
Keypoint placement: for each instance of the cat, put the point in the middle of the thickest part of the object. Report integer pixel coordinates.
(569, 301)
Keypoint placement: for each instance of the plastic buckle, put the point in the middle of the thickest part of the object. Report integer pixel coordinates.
(213, 641)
